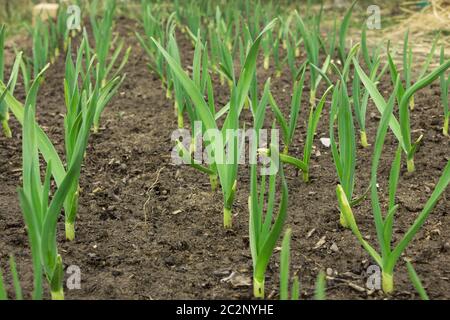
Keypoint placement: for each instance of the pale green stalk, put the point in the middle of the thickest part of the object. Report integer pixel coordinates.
(445, 85)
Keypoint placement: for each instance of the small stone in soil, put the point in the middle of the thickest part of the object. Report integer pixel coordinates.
(334, 247)
(170, 261)
(320, 243)
(326, 142)
(116, 273)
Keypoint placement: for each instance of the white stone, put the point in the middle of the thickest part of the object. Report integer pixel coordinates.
(326, 142)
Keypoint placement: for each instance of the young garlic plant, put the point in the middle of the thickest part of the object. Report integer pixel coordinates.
(226, 65)
(102, 30)
(202, 79)
(329, 43)
(445, 84)
(265, 229)
(155, 27)
(223, 30)
(360, 101)
(190, 17)
(41, 46)
(58, 32)
(227, 168)
(214, 45)
(343, 30)
(291, 47)
(312, 45)
(288, 129)
(402, 127)
(46, 148)
(267, 45)
(285, 29)
(61, 27)
(82, 94)
(4, 111)
(179, 100)
(47, 37)
(40, 214)
(344, 153)
(226, 27)
(360, 96)
(408, 66)
(254, 10)
(276, 54)
(389, 256)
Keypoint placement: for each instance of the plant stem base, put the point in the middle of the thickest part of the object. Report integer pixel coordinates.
(312, 97)
(364, 139)
(6, 129)
(180, 121)
(227, 218)
(58, 295)
(343, 221)
(305, 176)
(410, 165)
(258, 288)
(266, 63)
(387, 281)
(445, 128)
(247, 104)
(70, 231)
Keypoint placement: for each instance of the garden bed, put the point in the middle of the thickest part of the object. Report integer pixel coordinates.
(147, 229)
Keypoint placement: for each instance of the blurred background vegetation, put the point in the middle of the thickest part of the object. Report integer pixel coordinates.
(15, 13)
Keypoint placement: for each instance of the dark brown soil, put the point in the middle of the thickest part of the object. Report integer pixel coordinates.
(150, 230)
